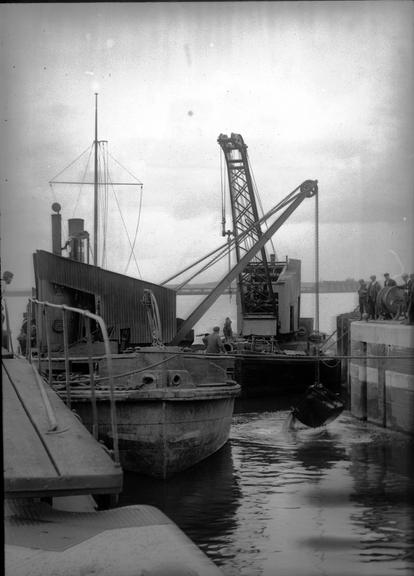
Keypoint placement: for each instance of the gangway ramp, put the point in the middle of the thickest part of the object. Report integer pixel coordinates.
(39, 461)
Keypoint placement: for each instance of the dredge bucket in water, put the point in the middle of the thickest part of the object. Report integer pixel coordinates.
(320, 406)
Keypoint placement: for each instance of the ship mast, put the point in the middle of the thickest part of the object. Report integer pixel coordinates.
(95, 182)
(95, 188)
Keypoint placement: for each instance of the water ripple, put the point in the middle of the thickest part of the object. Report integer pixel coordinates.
(328, 501)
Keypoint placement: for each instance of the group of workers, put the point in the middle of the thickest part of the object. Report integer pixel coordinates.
(370, 306)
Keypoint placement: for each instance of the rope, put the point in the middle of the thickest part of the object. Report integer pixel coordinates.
(104, 204)
(228, 245)
(135, 236)
(54, 199)
(70, 164)
(125, 228)
(126, 169)
(83, 178)
(256, 192)
(223, 196)
(206, 267)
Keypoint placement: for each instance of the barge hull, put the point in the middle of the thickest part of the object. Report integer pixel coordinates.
(161, 438)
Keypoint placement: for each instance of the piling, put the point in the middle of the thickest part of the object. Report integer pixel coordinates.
(381, 380)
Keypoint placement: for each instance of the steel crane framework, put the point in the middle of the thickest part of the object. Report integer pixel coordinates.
(255, 281)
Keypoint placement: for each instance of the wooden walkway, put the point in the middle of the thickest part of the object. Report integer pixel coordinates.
(40, 462)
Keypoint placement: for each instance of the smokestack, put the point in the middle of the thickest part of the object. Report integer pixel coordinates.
(56, 230)
(75, 226)
(76, 237)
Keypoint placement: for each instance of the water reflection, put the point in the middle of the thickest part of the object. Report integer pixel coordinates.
(385, 513)
(274, 501)
(209, 491)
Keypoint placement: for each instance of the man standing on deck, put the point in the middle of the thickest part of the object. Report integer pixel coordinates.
(410, 298)
(389, 281)
(227, 330)
(214, 343)
(362, 298)
(373, 289)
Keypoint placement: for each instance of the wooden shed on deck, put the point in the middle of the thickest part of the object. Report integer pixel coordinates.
(115, 297)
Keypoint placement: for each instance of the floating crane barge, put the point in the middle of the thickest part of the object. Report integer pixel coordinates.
(275, 351)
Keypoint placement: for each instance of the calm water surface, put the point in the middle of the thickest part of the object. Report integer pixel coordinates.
(311, 502)
(332, 501)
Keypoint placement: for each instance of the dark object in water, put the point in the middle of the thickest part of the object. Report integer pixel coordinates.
(320, 406)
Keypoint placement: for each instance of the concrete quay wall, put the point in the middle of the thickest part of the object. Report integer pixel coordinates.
(381, 382)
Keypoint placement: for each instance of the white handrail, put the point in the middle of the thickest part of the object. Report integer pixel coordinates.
(108, 354)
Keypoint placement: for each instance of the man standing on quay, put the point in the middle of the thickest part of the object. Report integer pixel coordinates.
(373, 289)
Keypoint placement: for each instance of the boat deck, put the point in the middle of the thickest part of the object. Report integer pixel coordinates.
(39, 461)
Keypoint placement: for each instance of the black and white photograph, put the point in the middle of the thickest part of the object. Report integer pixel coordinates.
(207, 288)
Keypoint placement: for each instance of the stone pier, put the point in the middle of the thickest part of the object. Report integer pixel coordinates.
(381, 382)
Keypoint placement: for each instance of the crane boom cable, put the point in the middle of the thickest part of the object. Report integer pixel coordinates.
(306, 190)
(206, 267)
(226, 248)
(259, 200)
(282, 204)
(177, 274)
(223, 205)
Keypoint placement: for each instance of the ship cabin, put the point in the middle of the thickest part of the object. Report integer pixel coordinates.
(256, 313)
(117, 298)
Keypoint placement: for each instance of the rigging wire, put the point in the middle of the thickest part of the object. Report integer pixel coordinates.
(103, 162)
(136, 233)
(126, 169)
(229, 264)
(227, 246)
(209, 264)
(52, 181)
(192, 265)
(223, 212)
(125, 227)
(70, 164)
(54, 198)
(104, 208)
(223, 196)
(83, 179)
(132, 246)
(259, 200)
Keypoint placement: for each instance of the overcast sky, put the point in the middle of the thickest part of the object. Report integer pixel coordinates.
(319, 90)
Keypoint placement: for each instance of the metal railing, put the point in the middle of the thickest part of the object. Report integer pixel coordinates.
(42, 310)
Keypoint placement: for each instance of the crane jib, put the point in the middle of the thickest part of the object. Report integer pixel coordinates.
(306, 190)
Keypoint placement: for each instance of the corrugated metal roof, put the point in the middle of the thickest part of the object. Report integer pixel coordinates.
(120, 296)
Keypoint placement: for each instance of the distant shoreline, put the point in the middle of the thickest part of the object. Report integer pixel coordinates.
(325, 286)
